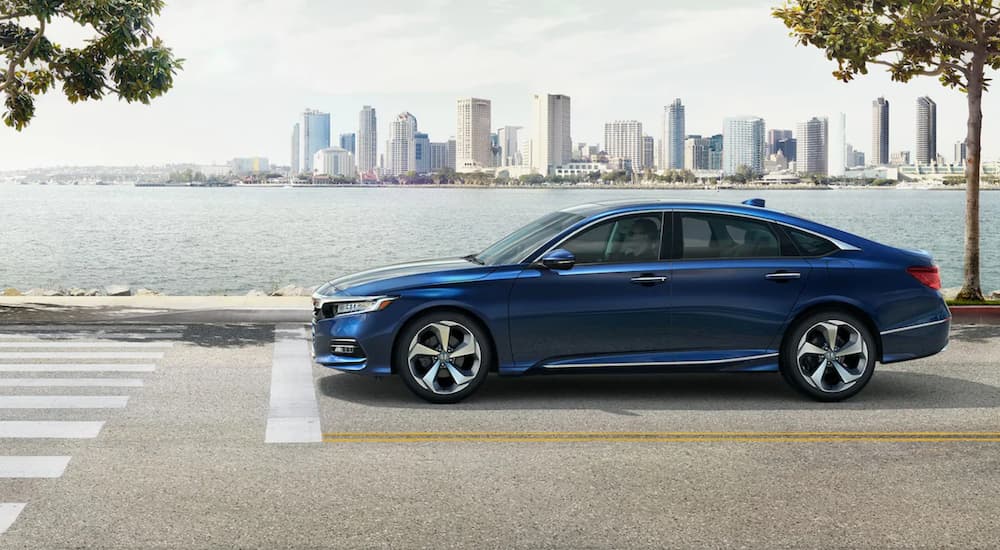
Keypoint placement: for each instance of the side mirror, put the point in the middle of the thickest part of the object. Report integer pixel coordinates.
(559, 259)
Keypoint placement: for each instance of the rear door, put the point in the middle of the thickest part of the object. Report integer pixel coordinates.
(735, 280)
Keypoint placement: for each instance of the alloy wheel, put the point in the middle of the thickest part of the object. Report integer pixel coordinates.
(444, 357)
(832, 356)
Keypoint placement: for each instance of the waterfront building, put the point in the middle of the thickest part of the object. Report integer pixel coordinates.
(581, 169)
(623, 142)
(858, 160)
(696, 153)
(334, 162)
(648, 145)
(837, 150)
(776, 163)
(743, 144)
(509, 137)
(551, 142)
(715, 144)
(960, 152)
(880, 132)
(295, 149)
(926, 131)
(249, 165)
(452, 153)
(472, 142)
(422, 153)
(348, 142)
(899, 158)
(495, 149)
(315, 136)
(774, 137)
(367, 140)
(788, 147)
(439, 156)
(402, 144)
(813, 144)
(673, 135)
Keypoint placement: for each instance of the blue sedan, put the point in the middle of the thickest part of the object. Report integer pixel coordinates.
(641, 287)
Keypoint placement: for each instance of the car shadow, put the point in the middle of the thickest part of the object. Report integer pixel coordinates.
(975, 333)
(621, 394)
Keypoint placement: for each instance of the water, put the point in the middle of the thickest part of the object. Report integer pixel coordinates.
(232, 240)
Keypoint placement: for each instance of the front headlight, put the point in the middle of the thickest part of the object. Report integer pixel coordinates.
(325, 308)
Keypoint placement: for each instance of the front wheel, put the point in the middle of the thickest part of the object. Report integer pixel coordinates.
(443, 357)
(828, 356)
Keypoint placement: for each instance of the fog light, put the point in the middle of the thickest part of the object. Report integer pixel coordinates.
(344, 349)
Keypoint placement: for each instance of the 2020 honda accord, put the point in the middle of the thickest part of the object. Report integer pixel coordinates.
(641, 287)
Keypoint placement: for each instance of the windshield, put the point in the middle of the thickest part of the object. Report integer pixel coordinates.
(514, 247)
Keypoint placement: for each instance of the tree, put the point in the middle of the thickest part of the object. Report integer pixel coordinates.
(123, 58)
(954, 40)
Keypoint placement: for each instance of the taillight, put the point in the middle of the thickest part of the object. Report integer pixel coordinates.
(928, 276)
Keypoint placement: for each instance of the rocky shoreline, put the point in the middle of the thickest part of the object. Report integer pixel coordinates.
(123, 290)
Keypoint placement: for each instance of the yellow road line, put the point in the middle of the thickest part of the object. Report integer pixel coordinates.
(339, 437)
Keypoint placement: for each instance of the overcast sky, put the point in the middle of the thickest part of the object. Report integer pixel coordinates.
(253, 65)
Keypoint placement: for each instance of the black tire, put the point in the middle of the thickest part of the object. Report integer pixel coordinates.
(461, 327)
(798, 376)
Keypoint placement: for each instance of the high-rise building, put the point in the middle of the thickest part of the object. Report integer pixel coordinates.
(315, 136)
(509, 137)
(348, 142)
(673, 135)
(715, 144)
(926, 131)
(402, 145)
(422, 153)
(648, 144)
(696, 149)
(899, 158)
(334, 161)
(813, 146)
(623, 141)
(743, 144)
(837, 148)
(880, 132)
(495, 149)
(788, 147)
(775, 136)
(295, 148)
(551, 141)
(960, 152)
(439, 157)
(249, 165)
(367, 141)
(452, 153)
(472, 142)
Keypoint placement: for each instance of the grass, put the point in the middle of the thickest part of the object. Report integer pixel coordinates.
(973, 302)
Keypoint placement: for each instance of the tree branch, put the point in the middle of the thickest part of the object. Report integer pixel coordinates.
(19, 59)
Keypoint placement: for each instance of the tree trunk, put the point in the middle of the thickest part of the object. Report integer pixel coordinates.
(971, 287)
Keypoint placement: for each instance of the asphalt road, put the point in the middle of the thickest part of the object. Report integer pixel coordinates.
(536, 462)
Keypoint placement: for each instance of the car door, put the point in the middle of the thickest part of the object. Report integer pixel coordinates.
(614, 300)
(735, 280)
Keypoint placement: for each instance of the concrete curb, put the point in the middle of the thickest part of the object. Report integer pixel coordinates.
(975, 315)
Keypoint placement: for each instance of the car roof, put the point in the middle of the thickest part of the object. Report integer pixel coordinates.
(614, 206)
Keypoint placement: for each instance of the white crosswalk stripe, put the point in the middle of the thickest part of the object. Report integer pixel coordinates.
(32, 466)
(70, 382)
(34, 336)
(63, 401)
(49, 329)
(49, 429)
(8, 514)
(74, 345)
(75, 367)
(80, 355)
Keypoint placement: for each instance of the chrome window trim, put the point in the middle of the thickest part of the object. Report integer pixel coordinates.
(663, 363)
(912, 327)
(841, 245)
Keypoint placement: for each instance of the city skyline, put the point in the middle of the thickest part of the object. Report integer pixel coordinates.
(203, 121)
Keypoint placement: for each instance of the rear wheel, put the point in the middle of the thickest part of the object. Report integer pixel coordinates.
(444, 356)
(829, 356)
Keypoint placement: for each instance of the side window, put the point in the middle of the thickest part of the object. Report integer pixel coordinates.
(628, 239)
(720, 236)
(810, 245)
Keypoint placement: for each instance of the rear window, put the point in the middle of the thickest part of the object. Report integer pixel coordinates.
(810, 245)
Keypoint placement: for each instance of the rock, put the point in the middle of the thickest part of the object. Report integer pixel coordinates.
(118, 290)
(950, 293)
(995, 295)
(147, 292)
(290, 290)
(76, 292)
(51, 293)
(36, 292)
(92, 292)
(256, 293)
(11, 292)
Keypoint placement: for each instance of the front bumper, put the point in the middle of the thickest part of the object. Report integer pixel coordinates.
(372, 333)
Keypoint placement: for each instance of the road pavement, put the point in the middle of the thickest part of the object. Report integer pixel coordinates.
(186, 434)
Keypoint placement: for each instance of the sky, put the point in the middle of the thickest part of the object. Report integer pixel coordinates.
(253, 66)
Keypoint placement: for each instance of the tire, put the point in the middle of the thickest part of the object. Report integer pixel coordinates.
(809, 366)
(418, 352)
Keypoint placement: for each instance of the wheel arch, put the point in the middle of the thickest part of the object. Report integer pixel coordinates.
(829, 305)
(440, 308)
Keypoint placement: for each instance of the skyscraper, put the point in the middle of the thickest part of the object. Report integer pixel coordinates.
(551, 141)
(813, 144)
(472, 142)
(439, 156)
(880, 133)
(509, 142)
(648, 144)
(715, 144)
(623, 141)
(315, 136)
(402, 146)
(295, 149)
(789, 148)
(837, 151)
(348, 142)
(926, 131)
(422, 153)
(960, 152)
(743, 144)
(696, 150)
(367, 141)
(673, 135)
(775, 136)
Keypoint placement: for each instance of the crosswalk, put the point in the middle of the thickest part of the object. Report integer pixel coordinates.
(42, 370)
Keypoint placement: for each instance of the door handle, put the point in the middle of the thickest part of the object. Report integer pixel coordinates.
(649, 280)
(783, 276)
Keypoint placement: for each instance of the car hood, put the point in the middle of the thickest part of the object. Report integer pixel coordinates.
(390, 278)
